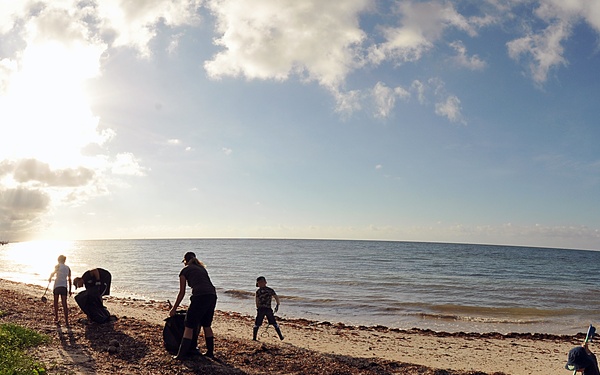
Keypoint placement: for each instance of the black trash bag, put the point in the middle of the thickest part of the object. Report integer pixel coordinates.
(91, 304)
(173, 332)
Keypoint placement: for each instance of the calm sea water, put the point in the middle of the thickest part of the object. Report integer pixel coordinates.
(445, 287)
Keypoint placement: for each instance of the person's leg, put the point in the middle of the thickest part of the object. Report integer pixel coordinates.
(273, 322)
(188, 333)
(210, 342)
(186, 343)
(260, 316)
(65, 309)
(191, 322)
(209, 303)
(55, 307)
(194, 346)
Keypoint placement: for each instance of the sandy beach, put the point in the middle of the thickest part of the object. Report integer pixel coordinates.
(309, 347)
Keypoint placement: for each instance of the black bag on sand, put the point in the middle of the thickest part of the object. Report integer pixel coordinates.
(91, 305)
(173, 332)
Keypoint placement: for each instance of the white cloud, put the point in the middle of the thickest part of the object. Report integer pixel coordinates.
(421, 26)
(420, 88)
(574, 10)
(347, 102)
(316, 40)
(127, 164)
(545, 49)
(20, 209)
(31, 170)
(450, 108)
(227, 151)
(9, 13)
(134, 23)
(385, 98)
(462, 59)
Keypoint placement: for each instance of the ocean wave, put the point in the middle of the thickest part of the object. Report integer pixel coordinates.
(241, 294)
(511, 311)
(480, 319)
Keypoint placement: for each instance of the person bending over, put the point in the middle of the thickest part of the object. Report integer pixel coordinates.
(97, 280)
(201, 309)
(97, 284)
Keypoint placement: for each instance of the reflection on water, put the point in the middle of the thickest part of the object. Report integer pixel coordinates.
(33, 262)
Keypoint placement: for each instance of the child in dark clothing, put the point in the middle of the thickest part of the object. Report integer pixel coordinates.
(581, 359)
(264, 295)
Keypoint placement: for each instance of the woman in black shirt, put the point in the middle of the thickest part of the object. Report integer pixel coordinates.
(202, 305)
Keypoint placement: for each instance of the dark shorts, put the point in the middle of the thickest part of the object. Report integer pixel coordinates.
(261, 312)
(201, 311)
(60, 291)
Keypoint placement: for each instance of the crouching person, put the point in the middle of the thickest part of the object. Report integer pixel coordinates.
(97, 284)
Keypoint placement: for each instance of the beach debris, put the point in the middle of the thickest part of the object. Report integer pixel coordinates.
(113, 346)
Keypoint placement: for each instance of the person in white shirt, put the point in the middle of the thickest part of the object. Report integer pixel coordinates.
(62, 281)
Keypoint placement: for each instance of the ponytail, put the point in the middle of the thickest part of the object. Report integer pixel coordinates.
(197, 262)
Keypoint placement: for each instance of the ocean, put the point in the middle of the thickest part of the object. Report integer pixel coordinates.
(438, 286)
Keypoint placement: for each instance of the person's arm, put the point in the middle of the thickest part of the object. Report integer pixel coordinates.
(69, 279)
(256, 300)
(180, 295)
(276, 301)
(53, 273)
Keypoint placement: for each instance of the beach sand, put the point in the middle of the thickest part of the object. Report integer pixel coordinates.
(309, 347)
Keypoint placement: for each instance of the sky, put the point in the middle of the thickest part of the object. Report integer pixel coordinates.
(465, 121)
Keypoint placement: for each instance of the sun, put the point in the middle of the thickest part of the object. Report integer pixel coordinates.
(45, 110)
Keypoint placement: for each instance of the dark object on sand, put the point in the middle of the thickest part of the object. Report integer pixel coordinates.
(90, 300)
(173, 332)
(44, 299)
(91, 304)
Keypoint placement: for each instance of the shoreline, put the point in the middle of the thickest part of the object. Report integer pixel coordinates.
(489, 353)
(446, 323)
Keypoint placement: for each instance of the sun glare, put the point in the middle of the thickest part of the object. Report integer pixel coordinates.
(35, 260)
(46, 107)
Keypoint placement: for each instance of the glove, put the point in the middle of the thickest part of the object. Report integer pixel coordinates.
(276, 308)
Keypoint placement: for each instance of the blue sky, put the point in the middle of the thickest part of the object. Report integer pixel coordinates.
(450, 121)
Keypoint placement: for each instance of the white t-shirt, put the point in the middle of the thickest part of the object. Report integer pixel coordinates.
(61, 275)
